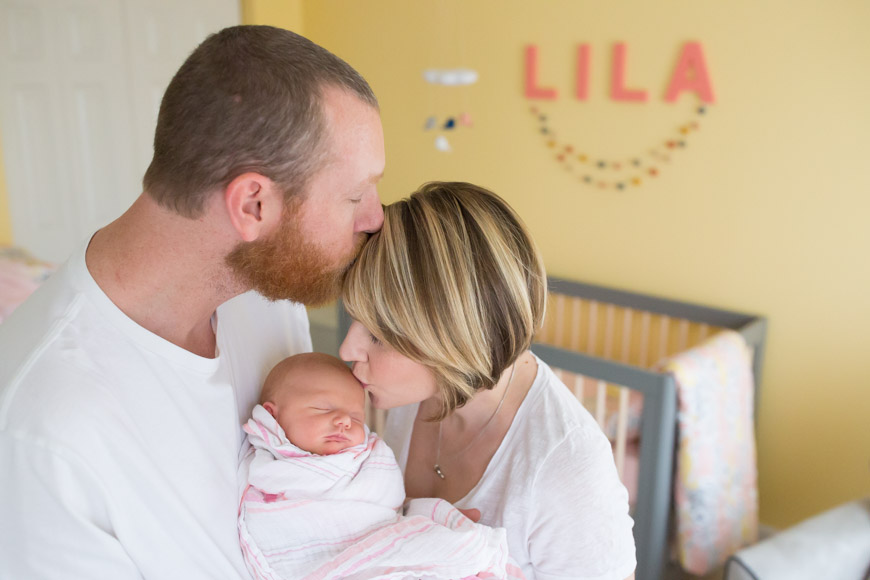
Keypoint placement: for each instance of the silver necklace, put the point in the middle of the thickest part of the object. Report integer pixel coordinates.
(437, 467)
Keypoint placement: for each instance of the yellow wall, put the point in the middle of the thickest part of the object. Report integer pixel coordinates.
(282, 13)
(765, 211)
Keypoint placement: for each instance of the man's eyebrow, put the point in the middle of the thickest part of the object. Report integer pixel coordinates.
(376, 178)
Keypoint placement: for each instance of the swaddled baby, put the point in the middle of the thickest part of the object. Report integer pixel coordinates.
(324, 495)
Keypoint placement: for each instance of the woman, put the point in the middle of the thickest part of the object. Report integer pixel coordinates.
(445, 301)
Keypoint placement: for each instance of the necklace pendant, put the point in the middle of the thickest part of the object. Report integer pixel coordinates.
(438, 471)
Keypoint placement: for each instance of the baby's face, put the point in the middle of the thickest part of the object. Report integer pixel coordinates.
(321, 409)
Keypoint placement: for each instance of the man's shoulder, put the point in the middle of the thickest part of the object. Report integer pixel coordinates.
(51, 390)
(56, 352)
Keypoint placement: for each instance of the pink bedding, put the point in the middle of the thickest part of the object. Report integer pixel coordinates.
(20, 275)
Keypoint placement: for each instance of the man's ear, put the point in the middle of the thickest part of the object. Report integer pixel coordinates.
(270, 406)
(254, 205)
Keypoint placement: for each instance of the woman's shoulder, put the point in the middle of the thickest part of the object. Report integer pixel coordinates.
(552, 405)
(567, 496)
(551, 425)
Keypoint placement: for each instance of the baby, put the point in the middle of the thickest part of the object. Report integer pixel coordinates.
(324, 495)
(317, 402)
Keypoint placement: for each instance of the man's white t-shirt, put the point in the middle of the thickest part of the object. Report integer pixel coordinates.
(552, 484)
(119, 450)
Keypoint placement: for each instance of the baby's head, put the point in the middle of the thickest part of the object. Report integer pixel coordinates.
(317, 401)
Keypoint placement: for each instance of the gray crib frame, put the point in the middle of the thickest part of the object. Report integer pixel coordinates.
(659, 415)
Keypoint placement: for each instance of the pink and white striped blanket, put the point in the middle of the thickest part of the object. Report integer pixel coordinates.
(313, 517)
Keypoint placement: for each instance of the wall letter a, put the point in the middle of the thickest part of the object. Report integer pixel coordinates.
(691, 75)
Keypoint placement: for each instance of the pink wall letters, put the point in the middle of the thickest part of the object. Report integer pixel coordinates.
(690, 75)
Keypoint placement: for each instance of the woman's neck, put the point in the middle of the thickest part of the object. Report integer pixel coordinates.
(462, 446)
(478, 411)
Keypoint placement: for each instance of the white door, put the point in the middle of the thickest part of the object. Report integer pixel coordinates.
(81, 85)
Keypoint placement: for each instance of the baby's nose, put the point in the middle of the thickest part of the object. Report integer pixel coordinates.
(343, 420)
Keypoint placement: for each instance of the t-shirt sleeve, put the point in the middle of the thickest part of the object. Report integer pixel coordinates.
(58, 524)
(580, 526)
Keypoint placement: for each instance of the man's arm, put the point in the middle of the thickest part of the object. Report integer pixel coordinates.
(55, 523)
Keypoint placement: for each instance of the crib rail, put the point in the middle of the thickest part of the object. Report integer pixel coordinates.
(657, 435)
(610, 341)
(614, 314)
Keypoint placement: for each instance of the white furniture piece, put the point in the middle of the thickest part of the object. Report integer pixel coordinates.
(834, 545)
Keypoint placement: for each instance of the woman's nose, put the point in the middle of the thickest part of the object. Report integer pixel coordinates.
(351, 347)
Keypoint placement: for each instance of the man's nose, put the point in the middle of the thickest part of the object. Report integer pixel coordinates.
(372, 217)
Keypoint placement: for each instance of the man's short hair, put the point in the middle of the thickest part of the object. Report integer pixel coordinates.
(249, 98)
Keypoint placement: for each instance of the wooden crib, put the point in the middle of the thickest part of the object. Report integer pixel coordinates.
(604, 344)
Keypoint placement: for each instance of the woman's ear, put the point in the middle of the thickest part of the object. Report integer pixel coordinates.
(254, 205)
(270, 406)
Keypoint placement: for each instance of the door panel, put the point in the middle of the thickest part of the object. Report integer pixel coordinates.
(81, 85)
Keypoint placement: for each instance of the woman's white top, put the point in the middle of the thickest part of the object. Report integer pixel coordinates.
(552, 484)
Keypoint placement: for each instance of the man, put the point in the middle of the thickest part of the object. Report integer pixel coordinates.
(126, 377)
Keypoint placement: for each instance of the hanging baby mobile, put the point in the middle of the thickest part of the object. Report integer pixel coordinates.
(450, 121)
(690, 75)
(448, 79)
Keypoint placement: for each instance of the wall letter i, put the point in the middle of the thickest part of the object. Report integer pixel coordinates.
(582, 86)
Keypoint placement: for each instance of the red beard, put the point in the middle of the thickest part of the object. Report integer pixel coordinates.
(285, 266)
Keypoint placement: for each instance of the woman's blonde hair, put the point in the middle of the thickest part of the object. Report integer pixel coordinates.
(453, 281)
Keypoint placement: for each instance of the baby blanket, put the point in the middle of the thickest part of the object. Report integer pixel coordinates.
(313, 517)
(715, 493)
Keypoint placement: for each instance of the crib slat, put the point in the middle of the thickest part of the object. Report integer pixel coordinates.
(621, 431)
(610, 315)
(575, 323)
(592, 325)
(664, 332)
(644, 338)
(578, 387)
(684, 335)
(601, 403)
(559, 321)
(626, 334)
